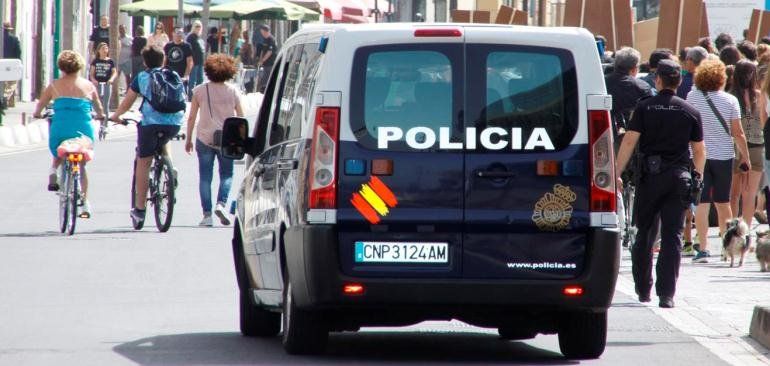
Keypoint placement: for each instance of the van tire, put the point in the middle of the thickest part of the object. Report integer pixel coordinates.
(304, 332)
(583, 335)
(512, 333)
(257, 321)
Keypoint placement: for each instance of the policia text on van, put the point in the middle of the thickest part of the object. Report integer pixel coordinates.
(451, 227)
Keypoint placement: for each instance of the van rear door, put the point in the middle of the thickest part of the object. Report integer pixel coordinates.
(400, 210)
(527, 180)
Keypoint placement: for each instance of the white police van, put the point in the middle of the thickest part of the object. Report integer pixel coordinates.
(407, 172)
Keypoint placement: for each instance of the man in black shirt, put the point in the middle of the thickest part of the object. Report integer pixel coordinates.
(666, 127)
(11, 49)
(179, 55)
(625, 88)
(100, 34)
(198, 53)
(267, 53)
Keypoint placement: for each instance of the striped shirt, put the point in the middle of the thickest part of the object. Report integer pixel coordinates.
(719, 144)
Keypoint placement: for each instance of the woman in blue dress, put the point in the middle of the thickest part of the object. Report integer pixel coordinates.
(73, 99)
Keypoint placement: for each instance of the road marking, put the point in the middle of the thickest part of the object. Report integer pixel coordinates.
(722, 340)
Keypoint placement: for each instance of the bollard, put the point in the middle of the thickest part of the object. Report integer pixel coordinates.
(23, 118)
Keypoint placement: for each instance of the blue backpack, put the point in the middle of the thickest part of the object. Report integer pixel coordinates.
(167, 92)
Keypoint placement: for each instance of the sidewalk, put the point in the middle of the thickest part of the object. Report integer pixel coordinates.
(714, 303)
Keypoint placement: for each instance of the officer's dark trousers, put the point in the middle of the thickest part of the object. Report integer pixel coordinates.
(658, 195)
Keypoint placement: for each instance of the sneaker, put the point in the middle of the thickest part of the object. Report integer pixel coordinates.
(696, 247)
(221, 214)
(85, 210)
(137, 217)
(687, 250)
(701, 257)
(53, 182)
(207, 221)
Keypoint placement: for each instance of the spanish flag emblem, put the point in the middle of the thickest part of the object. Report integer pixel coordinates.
(374, 200)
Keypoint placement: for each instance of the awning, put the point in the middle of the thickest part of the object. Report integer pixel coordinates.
(348, 11)
(158, 8)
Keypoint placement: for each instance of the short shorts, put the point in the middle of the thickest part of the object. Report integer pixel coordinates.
(717, 180)
(150, 138)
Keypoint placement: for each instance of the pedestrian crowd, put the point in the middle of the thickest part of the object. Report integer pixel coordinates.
(185, 53)
(165, 72)
(714, 96)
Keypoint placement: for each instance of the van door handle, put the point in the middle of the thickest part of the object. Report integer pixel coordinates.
(495, 174)
(287, 164)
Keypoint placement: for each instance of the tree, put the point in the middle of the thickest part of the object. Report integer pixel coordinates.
(205, 16)
(114, 49)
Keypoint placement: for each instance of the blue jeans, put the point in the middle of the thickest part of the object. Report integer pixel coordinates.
(206, 157)
(196, 78)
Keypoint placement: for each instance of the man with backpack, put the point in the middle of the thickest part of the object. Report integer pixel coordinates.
(162, 112)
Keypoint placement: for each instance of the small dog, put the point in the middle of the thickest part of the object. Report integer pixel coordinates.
(735, 241)
(763, 250)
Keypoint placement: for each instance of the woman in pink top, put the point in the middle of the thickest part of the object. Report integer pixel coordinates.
(212, 103)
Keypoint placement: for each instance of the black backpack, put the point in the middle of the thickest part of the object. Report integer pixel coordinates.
(167, 94)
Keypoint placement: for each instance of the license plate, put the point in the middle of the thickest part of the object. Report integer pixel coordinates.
(395, 252)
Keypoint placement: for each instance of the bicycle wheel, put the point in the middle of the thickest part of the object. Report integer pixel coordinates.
(73, 193)
(139, 225)
(163, 193)
(64, 175)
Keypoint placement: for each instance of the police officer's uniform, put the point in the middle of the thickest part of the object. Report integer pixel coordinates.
(666, 124)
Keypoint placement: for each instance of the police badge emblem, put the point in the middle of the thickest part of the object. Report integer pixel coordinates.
(554, 210)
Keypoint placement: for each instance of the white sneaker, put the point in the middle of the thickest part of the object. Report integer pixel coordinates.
(207, 221)
(85, 210)
(221, 214)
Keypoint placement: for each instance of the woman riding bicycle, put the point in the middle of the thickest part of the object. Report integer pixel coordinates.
(73, 100)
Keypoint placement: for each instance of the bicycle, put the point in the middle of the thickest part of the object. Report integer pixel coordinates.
(629, 230)
(74, 153)
(161, 188)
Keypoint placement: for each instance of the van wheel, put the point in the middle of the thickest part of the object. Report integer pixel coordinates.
(256, 321)
(512, 333)
(583, 335)
(304, 332)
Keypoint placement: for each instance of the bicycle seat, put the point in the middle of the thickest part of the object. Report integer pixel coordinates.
(77, 145)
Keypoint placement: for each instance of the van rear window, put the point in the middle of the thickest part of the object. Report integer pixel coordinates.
(403, 87)
(523, 87)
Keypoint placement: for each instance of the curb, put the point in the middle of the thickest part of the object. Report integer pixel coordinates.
(760, 325)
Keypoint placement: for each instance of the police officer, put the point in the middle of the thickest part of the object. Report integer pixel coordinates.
(665, 126)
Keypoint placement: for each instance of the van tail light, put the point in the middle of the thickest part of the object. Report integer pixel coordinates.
(323, 159)
(603, 195)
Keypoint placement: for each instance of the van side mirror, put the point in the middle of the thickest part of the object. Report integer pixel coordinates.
(235, 138)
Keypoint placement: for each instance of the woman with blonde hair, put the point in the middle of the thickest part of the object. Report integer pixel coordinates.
(721, 116)
(159, 37)
(73, 99)
(212, 103)
(746, 182)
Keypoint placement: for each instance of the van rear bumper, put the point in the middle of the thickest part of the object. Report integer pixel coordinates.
(312, 259)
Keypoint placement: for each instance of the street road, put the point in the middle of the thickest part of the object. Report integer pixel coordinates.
(113, 296)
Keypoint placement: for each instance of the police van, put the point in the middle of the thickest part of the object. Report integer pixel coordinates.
(399, 173)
